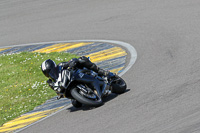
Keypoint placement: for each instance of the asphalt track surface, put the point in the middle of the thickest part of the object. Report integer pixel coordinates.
(164, 82)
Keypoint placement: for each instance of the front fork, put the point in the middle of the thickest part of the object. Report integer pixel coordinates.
(106, 90)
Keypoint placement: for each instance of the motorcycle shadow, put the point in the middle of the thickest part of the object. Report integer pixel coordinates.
(105, 100)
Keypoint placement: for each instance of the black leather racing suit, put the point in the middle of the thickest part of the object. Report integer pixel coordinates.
(83, 62)
(80, 63)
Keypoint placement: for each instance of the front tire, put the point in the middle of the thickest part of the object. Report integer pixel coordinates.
(75, 92)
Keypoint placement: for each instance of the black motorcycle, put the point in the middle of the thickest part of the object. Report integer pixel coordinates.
(85, 86)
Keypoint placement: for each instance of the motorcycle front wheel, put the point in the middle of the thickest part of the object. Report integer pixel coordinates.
(78, 95)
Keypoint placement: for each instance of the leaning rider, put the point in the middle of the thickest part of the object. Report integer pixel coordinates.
(51, 70)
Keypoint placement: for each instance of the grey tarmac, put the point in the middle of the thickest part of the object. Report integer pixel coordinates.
(164, 82)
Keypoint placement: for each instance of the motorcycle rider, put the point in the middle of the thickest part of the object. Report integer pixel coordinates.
(51, 70)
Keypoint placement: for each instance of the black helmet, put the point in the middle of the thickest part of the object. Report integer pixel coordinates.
(49, 69)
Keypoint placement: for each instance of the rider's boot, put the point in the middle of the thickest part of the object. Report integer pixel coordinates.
(76, 104)
(60, 95)
(106, 73)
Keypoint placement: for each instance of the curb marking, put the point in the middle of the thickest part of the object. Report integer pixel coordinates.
(89, 49)
(107, 54)
(1, 49)
(71, 46)
(25, 120)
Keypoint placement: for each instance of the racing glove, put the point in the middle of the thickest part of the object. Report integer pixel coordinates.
(51, 84)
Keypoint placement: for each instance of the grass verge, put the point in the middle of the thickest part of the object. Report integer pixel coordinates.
(23, 85)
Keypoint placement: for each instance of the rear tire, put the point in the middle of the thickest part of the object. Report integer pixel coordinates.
(118, 86)
(80, 98)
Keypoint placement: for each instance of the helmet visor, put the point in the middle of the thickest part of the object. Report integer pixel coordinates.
(53, 74)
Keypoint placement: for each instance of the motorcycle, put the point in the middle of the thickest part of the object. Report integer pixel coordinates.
(85, 86)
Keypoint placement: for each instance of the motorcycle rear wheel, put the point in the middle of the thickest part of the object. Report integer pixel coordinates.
(80, 98)
(118, 86)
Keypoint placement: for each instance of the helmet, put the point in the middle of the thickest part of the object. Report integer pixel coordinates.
(49, 69)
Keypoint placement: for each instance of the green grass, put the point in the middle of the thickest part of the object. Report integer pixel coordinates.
(23, 85)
